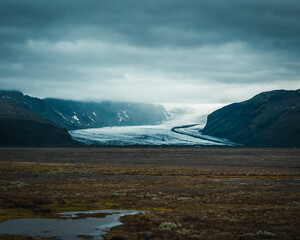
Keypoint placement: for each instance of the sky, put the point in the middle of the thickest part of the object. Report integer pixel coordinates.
(161, 51)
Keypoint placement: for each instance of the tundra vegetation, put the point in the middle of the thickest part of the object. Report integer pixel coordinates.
(194, 193)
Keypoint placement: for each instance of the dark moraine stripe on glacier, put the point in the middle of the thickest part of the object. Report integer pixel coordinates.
(199, 135)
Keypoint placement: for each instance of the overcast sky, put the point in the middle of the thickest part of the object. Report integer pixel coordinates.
(162, 51)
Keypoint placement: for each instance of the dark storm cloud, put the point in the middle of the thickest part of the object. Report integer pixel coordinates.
(151, 23)
(116, 47)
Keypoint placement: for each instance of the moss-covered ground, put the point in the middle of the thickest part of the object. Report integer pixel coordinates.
(200, 193)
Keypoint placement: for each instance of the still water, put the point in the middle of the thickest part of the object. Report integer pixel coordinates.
(68, 227)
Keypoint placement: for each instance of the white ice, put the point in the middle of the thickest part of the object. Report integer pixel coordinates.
(157, 134)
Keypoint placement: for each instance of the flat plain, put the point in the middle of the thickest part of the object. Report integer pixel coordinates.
(193, 193)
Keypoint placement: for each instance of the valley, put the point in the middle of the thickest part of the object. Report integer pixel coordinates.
(152, 135)
(181, 129)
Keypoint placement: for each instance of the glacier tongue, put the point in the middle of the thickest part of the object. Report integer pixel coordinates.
(162, 134)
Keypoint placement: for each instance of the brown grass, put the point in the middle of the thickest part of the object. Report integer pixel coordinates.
(214, 193)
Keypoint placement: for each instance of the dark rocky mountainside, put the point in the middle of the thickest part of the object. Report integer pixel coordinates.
(20, 126)
(268, 119)
(79, 115)
(36, 105)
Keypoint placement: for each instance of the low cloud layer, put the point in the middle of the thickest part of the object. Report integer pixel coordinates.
(150, 51)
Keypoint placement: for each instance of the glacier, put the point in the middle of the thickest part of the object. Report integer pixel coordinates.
(182, 129)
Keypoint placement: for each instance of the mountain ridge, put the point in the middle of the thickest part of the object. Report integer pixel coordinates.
(267, 119)
(74, 115)
(20, 126)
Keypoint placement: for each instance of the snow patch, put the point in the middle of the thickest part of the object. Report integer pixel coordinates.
(75, 118)
(120, 118)
(125, 114)
(61, 115)
(125, 117)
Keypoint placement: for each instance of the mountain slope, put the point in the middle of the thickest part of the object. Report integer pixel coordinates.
(93, 115)
(268, 119)
(20, 126)
(74, 115)
(38, 106)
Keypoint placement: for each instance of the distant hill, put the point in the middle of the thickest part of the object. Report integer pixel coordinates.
(268, 119)
(20, 126)
(80, 115)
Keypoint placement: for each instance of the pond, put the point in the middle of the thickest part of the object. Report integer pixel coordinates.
(71, 226)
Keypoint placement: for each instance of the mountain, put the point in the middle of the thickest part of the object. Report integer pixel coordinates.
(74, 115)
(268, 119)
(38, 106)
(94, 115)
(20, 126)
